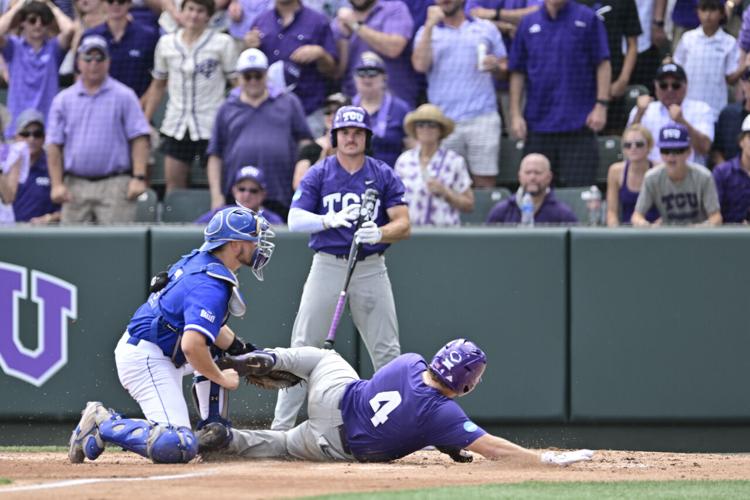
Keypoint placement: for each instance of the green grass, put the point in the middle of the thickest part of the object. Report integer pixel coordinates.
(4, 480)
(33, 449)
(578, 491)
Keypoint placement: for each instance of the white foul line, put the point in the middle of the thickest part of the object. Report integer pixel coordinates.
(79, 482)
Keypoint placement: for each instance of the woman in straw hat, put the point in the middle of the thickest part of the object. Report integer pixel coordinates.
(438, 184)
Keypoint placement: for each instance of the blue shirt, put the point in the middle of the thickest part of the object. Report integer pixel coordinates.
(266, 136)
(454, 82)
(559, 58)
(132, 57)
(410, 414)
(551, 211)
(328, 187)
(733, 188)
(32, 199)
(196, 298)
(308, 27)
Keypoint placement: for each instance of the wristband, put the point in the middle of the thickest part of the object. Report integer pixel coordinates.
(497, 14)
(660, 24)
(140, 177)
(603, 102)
(356, 25)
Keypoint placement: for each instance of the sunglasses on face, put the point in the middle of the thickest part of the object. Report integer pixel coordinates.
(633, 144)
(253, 75)
(248, 190)
(98, 57)
(330, 111)
(672, 151)
(38, 134)
(673, 85)
(36, 20)
(368, 72)
(426, 124)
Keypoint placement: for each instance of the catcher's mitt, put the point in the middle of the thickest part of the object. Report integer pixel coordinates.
(257, 369)
(278, 379)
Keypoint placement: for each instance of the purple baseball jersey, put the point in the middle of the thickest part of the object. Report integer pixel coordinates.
(328, 187)
(395, 413)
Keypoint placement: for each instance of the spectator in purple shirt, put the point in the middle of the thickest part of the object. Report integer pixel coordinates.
(242, 15)
(386, 111)
(131, 46)
(384, 27)
(256, 126)
(564, 107)
(98, 138)
(535, 178)
(299, 35)
(249, 191)
(33, 203)
(34, 57)
(733, 182)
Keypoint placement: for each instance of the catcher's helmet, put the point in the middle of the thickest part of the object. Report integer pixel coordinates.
(241, 224)
(459, 365)
(351, 116)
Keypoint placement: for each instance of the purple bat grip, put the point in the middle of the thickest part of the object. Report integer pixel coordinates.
(337, 315)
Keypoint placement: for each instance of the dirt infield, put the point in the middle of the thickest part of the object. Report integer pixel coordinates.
(126, 476)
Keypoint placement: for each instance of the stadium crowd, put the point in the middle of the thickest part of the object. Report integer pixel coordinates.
(107, 99)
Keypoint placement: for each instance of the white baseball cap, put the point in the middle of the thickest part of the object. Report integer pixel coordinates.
(746, 124)
(252, 59)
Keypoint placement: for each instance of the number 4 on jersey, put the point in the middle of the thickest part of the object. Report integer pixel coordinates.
(389, 400)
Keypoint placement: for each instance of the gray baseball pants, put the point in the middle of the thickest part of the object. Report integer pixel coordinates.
(318, 438)
(373, 311)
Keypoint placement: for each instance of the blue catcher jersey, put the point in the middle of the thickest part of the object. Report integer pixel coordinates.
(196, 298)
(328, 187)
(395, 413)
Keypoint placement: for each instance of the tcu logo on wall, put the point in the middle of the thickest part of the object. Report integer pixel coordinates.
(56, 302)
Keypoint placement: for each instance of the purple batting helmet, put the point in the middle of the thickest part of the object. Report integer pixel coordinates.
(459, 365)
(350, 116)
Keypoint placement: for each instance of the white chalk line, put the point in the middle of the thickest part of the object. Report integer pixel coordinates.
(79, 482)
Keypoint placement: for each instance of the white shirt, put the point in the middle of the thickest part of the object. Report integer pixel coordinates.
(697, 113)
(197, 81)
(9, 155)
(706, 60)
(645, 16)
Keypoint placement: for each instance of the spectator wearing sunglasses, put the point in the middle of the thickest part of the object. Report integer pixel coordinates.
(256, 126)
(733, 181)
(97, 143)
(131, 46)
(33, 203)
(672, 105)
(625, 178)
(34, 57)
(14, 170)
(683, 192)
(249, 191)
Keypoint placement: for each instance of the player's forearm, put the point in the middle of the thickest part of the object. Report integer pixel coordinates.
(396, 230)
(225, 338)
(497, 448)
(198, 355)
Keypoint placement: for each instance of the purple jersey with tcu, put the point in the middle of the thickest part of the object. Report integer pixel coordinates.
(395, 413)
(328, 187)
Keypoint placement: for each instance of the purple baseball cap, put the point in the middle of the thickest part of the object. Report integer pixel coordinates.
(674, 136)
(370, 60)
(252, 173)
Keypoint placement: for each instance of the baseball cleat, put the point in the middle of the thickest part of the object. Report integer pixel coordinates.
(85, 442)
(258, 363)
(214, 437)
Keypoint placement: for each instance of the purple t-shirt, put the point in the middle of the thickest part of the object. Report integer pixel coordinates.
(32, 199)
(685, 15)
(270, 216)
(410, 414)
(308, 27)
(733, 188)
(388, 128)
(551, 211)
(95, 130)
(574, 44)
(328, 187)
(33, 82)
(387, 17)
(267, 135)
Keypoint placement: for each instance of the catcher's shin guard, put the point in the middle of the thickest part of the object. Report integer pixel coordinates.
(211, 400)
(161, 443)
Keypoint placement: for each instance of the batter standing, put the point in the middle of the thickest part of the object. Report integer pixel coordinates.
(170, 336)
(326, 204)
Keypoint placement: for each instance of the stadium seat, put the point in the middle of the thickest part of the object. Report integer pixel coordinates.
(484, 200)
(572, 197)
(147, 207)
(631, 95)
(511, 154)
(185, 205)
(610, 151)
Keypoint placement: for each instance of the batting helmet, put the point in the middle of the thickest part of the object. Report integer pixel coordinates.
(241, 224)
(459, 365)
(351, 116)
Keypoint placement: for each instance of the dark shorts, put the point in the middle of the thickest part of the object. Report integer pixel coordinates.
(573, 155)
(184, 150)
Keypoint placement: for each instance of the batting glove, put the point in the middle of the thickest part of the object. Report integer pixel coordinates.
(343, 218)
(368, 233)
(566, 458)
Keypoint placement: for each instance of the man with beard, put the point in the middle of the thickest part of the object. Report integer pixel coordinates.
(535, 178)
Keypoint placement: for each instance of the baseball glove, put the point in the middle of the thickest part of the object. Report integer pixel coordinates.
(274, 380)
(257, 369)
(456, 454)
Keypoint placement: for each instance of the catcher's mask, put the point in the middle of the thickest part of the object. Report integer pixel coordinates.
(459, 365)
(241, 224)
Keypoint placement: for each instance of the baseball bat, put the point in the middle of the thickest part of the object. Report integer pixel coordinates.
(366, 213)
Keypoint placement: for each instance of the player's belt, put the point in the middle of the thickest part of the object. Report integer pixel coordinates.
(360, 256)
(344, 441)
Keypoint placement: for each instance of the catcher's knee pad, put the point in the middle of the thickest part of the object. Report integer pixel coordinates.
(160, 443)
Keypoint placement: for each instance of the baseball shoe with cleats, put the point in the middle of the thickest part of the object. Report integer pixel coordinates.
(257, 363)
(214, 436)
(85, 442)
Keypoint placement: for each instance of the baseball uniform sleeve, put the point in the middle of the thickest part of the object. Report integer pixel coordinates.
(710, 195)
(646, 196)
(160, 71)
(307, 194)
(56, 121)
(206, 307)
(452, 428)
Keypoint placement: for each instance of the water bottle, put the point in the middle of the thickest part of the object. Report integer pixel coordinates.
(482, 49)
(527, 210)
(593, 199)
